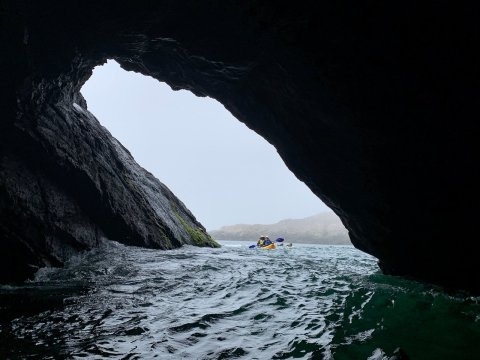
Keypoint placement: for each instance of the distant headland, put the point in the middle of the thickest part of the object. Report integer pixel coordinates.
(322, 228)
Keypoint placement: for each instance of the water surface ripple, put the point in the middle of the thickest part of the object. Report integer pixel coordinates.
(311, 302)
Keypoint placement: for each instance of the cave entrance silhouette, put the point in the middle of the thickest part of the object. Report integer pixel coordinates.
(373, 106)
(223, 171)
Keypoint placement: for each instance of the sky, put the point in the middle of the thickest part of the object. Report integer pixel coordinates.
(221, 170)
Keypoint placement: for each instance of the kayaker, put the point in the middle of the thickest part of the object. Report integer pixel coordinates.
(261, 241)
(267, 241)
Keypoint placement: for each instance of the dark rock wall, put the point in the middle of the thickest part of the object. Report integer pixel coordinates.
(372, 104)
(65, 182)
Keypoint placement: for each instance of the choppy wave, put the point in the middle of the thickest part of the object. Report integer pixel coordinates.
(311, 302)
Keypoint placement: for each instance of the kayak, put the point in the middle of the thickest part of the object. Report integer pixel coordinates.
(272, 246)
(269, 247)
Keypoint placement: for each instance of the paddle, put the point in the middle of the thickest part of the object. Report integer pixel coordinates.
(252, 246)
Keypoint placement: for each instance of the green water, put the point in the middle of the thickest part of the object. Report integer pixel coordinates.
(311, 302)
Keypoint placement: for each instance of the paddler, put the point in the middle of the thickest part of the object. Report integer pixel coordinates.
(267, 241)
(261, 241)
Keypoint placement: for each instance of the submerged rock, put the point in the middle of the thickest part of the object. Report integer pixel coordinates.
(373, 105)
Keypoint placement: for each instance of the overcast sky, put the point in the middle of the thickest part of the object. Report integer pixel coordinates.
(224, 172)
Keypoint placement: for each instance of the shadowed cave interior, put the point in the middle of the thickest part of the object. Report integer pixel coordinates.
(372, 105)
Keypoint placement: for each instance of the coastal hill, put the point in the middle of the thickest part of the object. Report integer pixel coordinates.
(322, 228)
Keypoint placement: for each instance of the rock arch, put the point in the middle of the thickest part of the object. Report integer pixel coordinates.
(372, 105)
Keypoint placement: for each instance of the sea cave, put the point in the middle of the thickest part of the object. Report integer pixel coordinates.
(372, 105)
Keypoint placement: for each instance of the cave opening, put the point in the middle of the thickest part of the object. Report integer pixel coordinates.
(374, 121)
(224, 172)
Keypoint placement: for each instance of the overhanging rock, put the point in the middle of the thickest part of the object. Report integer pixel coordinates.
(372, 105)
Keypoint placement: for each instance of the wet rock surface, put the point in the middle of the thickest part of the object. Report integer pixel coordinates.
(65, 183)
(372, 105)
(75, 184)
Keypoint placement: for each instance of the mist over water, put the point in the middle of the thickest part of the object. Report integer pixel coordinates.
(311, 302)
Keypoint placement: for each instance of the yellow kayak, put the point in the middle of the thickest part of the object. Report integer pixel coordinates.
(269, 247)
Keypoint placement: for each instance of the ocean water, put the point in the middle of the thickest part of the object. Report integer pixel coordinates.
(310, 302)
